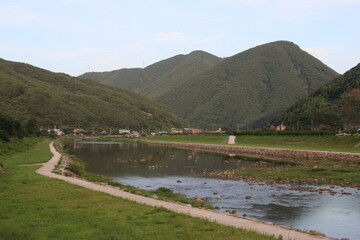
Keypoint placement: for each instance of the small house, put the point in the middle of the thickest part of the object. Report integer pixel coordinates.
(281, 127)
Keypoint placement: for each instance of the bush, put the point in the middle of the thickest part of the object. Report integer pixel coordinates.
(4, 135)
(76, 168)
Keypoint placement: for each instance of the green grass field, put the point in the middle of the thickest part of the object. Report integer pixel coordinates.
(36, 207)
(323, 143)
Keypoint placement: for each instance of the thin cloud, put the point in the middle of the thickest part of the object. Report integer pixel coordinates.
(92, 51)
(10, 15)
(173, 36)
(320, 52)
(216, 37)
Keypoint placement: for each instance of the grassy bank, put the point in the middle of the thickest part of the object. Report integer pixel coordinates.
(348, 175)
(322, 143)
(36, 207)
(16, 145)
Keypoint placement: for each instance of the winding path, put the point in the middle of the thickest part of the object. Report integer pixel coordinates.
(221, 218)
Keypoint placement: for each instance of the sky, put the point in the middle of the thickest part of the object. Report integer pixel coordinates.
(77, 36)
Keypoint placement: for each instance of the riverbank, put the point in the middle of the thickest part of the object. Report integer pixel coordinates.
(318, 143)
(297, 166)
(72, 166)
(38, 207)
(234, 221)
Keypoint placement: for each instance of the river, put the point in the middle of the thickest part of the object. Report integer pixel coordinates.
(150, 167)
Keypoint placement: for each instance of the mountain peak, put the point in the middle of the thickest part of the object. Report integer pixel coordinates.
(249, 88)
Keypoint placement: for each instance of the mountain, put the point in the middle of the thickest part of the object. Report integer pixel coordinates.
(334, 105)
(249, 88)
(62, 100)
(159, 78)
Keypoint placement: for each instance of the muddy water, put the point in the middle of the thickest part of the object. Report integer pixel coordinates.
(150, 167)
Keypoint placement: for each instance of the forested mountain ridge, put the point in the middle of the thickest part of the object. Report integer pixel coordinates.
(160, 77)
(58, 99)
(333, 106)
(249, 88)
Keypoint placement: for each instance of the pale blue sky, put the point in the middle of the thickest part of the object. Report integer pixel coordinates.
(73, 36)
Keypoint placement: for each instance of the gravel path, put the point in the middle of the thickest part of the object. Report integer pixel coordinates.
(221, 218)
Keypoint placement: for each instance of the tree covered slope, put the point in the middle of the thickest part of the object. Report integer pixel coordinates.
(334, 105)
(249, 88)
(58, 99)
(158, 78)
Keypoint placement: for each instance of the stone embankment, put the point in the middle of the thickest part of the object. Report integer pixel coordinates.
(293, 155)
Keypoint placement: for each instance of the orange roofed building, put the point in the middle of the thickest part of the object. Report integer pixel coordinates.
(281, 127)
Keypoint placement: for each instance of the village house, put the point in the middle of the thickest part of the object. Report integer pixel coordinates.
(281, 127)
(175, 130)
(124, 131)
(192, 130)
(79, 131)
(57, 131)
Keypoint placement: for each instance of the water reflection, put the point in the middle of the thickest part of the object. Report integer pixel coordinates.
(146, 160)
(150, 167)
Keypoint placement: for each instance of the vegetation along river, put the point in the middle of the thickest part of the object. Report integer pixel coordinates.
(150, 167)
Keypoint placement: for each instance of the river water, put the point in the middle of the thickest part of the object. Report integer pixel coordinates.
(150, 167)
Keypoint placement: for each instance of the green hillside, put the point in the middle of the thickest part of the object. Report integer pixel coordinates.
(335, 105)
(61, 100)
(250, 88)
(159, 78)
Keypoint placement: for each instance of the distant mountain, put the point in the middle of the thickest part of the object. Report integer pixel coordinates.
(335, 105)
(58, 99)
(249, 88)
(159, 78)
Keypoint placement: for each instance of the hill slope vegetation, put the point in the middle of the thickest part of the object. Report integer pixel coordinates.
(248, 89)
(335, 105)
(58, 99)
(159, 78)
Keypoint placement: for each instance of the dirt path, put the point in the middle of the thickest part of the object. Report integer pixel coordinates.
(47, 168)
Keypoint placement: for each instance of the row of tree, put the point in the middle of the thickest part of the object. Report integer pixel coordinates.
(13, 128)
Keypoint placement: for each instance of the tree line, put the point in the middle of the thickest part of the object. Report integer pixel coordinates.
(14, 128)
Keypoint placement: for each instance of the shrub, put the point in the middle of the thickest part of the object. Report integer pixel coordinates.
(76, 168)
(4, 135)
